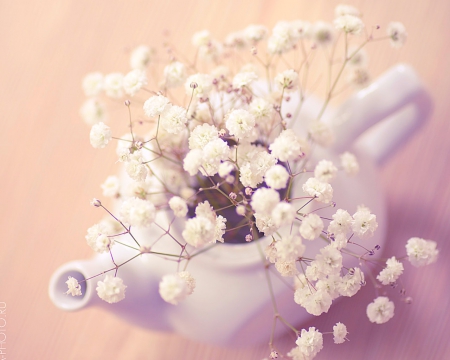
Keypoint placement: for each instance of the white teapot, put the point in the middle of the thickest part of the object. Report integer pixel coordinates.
(231, 304)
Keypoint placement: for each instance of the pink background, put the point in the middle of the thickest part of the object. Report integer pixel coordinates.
(50, 172)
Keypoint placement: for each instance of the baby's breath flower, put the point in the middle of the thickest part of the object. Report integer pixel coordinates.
(286, 146)
(155, 105)
(203, 86)
(325, 171)
(100, 135)
(311, 227)
(240, 123)
(397, 34)
(199, 231)
(290, 248)
(114, 85)
(323, 192)
(391, 272)
(173, 119)
(364, 223)
(73, 286)
(349, 23)
(264, 200)
(137, 212)
(342, 9)
(178, 206)
(111, 289)
(93, 83)
(242, 79)
(310, 342)
(140, 57)
(265, 224)
(380, 310)
(341, 223)
(339, 333)
(111, 186)
(287, 80)
(321, 133)
(134, 81)
(255, 33)
(286, 268)
(322, 33)
(351, 282)
(174, 74)
(283, 214)
(135, 167)
(201, 38)
(276, 177)
(349, 163)
(93, 111)
(174, 288)
(421, 252)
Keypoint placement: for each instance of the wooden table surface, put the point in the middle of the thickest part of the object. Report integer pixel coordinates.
(50, 172)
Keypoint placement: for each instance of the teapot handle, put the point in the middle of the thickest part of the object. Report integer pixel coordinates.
(390, 109)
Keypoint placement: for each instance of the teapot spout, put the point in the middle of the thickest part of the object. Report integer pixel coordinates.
(79, 270)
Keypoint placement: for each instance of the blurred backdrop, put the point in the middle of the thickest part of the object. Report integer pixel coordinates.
(49, 172)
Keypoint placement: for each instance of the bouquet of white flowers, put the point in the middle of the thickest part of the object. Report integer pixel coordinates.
(225, 154)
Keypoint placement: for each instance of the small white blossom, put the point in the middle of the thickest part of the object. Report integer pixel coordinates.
(341, 223)
(322, 33)
(310, 342)
(114, 85)
(140, 57)
(100, 135)
(283, 214)
(264, 200)
(339, 333)
(93, 84)
(380, 310)
(351, 282)
(287, 80)
(111, 289)
(199, 231)
(178, 206)
(325, 171)
(225, 169)
(290, 248)
(349, 163)
(349, 23)
(329, 260)
(73, 286)
(321, 133)
(174, 288)
(286, 268)
(137, 212)
(255, 33)
(265, 224)
(391, 272)
(202, 85)
(201, 38)
(135, 167)
(134, 81)
(276, 177)
(364, 223)
(311, 227)
(397, 34)
(242, 79)
(155, 105)
(240, 123)
(323, 192)
(174, 119)
(174, 74)
(342, 9)
(286, 146)
(202, 135)
(93, 111)
(421, 252)
(216, 150)
(193, 161)
(261, 109)
(111, 186)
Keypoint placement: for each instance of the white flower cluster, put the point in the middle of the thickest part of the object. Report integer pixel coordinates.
(237, 153)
